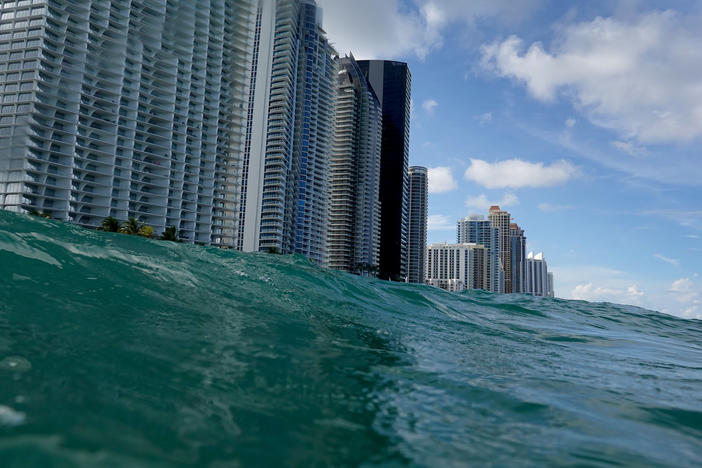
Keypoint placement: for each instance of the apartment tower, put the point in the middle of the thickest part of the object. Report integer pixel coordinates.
(391, 82)
(456, 267)
(354, 224)
(126, 109)
(476, 229)
(517, 252)
(417, 232)
(537, 281)
(501, 220)
(284, 201)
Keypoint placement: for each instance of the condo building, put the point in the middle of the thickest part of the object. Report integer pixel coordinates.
(517, 249)
(417, 223)
(501, 220)
(476, 229)
(284, 200)
(354, 224)
(391, 82)
(537, 278)
(126, 109)
(456, 267)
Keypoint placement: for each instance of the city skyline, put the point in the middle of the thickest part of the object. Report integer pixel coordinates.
(587, 155)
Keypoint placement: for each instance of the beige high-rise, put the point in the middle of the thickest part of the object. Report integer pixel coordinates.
(501, 220)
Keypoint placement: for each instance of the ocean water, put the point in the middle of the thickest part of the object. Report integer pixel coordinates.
(122, 351)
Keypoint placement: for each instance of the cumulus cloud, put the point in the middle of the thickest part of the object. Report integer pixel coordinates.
(663, 258)
(397, 29)
(441, 179)
(482, 203)
(430, 106)
(689, 295)
(515, 173)
(439, 222)
(639, 77)
(551, 208)
(589, 292)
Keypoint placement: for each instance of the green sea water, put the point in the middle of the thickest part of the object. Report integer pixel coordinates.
(121, 351)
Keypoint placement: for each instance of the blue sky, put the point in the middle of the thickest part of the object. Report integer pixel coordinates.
(589, 113)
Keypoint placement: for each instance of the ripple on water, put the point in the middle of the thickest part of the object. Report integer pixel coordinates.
(10, 417)
(15, 363)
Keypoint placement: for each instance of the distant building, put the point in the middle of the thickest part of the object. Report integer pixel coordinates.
(456, 267)
(391, 82)
(284, 201)
(537, 276)
(126, 109)
(476, 229)
(417, 246)
(501, 220)
(354, 223)
(550, 292)
(517, 248)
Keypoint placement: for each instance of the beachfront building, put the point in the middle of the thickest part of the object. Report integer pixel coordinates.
(517, 252)
(126, 109)
(284, 199)
(456, 267)
(549, 291)
(476, 229)
(354, 223)
(536, 276)
(417, 223)
(501, 220)
(391, 82)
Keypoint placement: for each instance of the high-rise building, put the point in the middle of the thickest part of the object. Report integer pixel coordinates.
(391, 82)
(476, 229)
(536, 276)
(456, 267)
(285, 201)
(517, 248)
(417, 232)
(501, 220)
(549, 291)
(126, 109)
(354, 223)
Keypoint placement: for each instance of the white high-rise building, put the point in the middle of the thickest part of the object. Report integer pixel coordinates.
(126, 108)
(456, 267)
(284, 200)
(537, 281)
(476, 229)
(354, 224)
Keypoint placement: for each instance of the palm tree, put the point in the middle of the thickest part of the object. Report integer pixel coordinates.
(146, 231)
(131, 227)
(170, 234)
(109, 224)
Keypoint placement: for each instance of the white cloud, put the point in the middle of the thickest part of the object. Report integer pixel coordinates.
(397, 29)
(639, 77)
(693, 236)
(439, 222)
(481, 202)
(689, 295)
(515, 173)
(629, 148)
(441, 179)
(672, 261)
(551, 208)
(485, 118)
(570, 123)
(430, 106)
(589, 292)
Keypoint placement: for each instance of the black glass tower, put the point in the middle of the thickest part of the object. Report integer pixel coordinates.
(391, 82)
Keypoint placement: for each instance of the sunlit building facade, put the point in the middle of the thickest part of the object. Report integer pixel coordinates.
(456, 267)
(476, 229)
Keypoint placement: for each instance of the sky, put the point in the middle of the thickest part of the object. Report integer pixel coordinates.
(583, 119)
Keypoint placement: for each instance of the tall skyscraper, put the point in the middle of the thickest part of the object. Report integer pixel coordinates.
(476, 229)
(391, 82)
(537, 276)
(501, 220)
(285, 197)
(125, 109)
(456, 267)
(354, 225)
(417, 245)
(517, 248)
